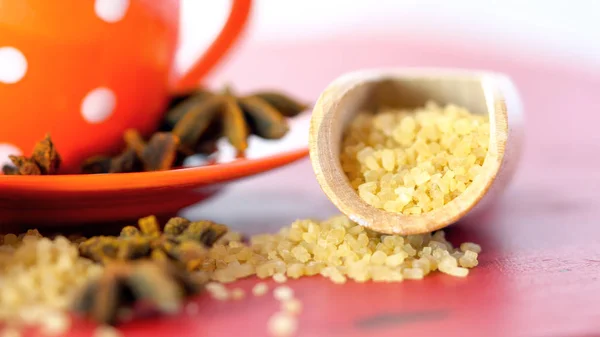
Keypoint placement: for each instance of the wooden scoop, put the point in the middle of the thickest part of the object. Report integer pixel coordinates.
(479, 92)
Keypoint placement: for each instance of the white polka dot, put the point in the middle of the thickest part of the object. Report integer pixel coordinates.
(98, 105)
(13, 65)
(7, 150)
(111, 10)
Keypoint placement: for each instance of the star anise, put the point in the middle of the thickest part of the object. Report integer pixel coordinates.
(195, 122)
(158, 154)
(125, 283)
(182, 241)
(200, 118)
(146, 264)
(44, 160)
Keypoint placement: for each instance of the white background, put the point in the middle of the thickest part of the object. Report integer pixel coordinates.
(563, 29)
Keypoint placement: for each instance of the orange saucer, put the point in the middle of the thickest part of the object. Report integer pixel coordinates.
(40, 201)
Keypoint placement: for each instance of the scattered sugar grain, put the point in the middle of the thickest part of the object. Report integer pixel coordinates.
(283, 293)
(296, 270)
(217, 291)
(215, 287)
(470, 246)
(334, 275)
(260, 289)
(55, 323)
(458, 272)
(106, 331)
(237, 294)
(395, 260)
(292, 306)
(279, 278)
(282, 324)
(468, 259)
(413, 273)
(447, 264)
(220, 296)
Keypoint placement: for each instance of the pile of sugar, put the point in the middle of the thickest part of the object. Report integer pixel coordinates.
(282, 323)
(38, 278)
(339, 249)
(414, 161)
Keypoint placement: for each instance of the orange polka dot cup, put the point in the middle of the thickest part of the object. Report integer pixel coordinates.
(86, 70)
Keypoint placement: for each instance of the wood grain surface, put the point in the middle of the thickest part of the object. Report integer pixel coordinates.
(540, 266)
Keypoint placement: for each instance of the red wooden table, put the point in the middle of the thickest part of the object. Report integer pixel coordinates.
(539, 270)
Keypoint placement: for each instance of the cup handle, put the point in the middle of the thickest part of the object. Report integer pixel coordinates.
(234, 26)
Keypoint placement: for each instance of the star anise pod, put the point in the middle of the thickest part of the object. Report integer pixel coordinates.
(122, 284)
(158, 154)
(44, 160)
(195, 122)
(182, 241)
(202, 117)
